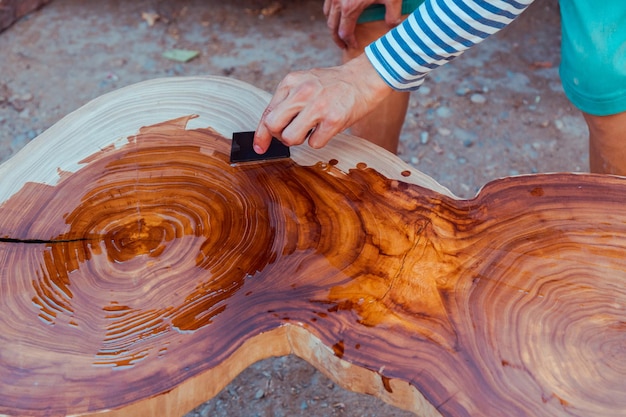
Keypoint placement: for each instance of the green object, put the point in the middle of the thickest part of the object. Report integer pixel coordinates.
(593, 55)
(180, 55)
(377, 11)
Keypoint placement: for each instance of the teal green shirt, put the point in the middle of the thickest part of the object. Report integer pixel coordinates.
(377, 11)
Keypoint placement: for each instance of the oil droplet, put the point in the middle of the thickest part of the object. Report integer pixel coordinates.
(333, 162)
(339, 348)
(537, 192)
(386, 383)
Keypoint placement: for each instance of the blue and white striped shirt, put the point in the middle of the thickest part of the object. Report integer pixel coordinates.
(434, 34)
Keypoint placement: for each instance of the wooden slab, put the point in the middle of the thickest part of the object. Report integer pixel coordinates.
(140, 271)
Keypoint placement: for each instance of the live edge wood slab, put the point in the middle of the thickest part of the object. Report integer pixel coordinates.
(140, 272)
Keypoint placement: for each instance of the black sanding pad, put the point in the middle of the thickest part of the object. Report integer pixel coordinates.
(242, 151)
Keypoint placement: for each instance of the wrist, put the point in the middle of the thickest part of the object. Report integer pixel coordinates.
(367, 80)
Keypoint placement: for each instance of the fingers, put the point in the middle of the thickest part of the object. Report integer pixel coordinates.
(262, 135)
(321, 135)
(333, 20)
(393, 12)
(326, 7)
(270, 122)
(286, 117)
(325, 100)
(347, 25)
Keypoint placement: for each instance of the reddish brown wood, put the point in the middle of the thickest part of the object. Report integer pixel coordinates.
(150, 277)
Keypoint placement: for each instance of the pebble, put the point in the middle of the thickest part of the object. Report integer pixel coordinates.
(444, 132)
(415, 160)
(31, 134)
(424, 138)
(478, 99)
(25, 114)
(444, 112)
(424, 90)
(259, 394)
(466, 137)
(558, 123)
(462, 91)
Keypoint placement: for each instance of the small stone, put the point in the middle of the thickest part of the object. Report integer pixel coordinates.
(468, 143)
(31, 134)
(462, 91)
(461, 160)
(558, 123)
(304, 405)
(545, 123)
(424, 138)
(478, 99)
(424, 90)
(25, 114)
(26, 97)
(444, 112)
(414, 160)
(259, 394)
(444, 132)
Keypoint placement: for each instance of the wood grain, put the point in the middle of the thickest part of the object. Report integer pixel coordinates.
(140, 271)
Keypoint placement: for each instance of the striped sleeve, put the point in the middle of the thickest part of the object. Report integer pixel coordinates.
(436, 33)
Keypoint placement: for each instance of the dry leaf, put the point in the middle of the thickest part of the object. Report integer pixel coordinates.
(150, 17)
(272, 9)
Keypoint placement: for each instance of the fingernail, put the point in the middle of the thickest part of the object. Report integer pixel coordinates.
(258, 149)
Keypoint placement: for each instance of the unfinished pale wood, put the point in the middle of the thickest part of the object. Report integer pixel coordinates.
(140, 272)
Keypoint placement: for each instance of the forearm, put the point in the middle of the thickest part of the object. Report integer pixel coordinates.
(437, 32)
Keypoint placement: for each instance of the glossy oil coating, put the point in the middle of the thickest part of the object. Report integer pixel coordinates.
(158, 260)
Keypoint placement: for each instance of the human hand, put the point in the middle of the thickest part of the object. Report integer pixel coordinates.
(318, 104)
(342, 16)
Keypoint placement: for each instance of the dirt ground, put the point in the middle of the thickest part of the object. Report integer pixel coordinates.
(498, 110)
